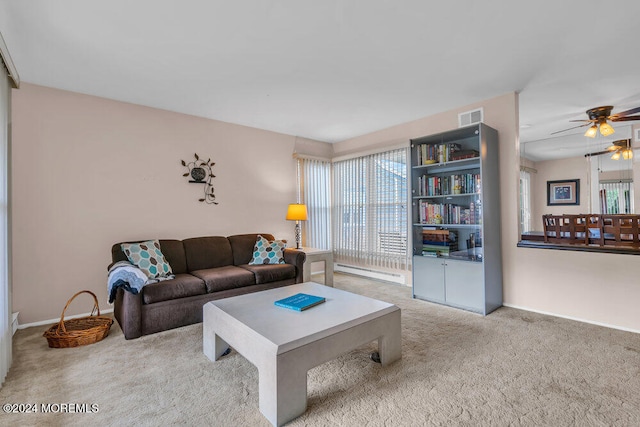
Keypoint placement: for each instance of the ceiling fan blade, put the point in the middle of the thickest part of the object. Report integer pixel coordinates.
(625, 119)
(628, 112)
(597, 153)
(575, 127)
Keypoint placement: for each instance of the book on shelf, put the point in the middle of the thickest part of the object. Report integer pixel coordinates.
(436, 185)
(435, 243)
(429, 254)
(439, 236)
(429, 250)
(448, 213)
(436, 153)
(465, 154)
(300, 302)
(426, 244)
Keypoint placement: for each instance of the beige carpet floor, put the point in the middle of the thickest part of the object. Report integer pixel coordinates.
(509, 368)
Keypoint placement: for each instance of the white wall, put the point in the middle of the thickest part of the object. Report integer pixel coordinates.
(89, 172)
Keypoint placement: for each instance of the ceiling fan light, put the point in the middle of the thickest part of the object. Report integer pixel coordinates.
(606, 129)
(627, 154)
(592, 131)
(616, 156)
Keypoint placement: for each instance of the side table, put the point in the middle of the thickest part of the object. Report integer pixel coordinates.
(316, 255)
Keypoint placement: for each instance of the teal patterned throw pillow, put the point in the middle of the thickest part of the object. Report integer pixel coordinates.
(148, 257)
(266, 252)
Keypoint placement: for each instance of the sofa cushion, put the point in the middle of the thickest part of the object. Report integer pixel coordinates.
(184, 285)
(222, 278)
(207, 252)
(271, 272)
(268, 252)
(242, 246)
(148, 257)
(173, 251)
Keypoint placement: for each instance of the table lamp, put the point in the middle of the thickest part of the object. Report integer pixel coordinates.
(297, 212)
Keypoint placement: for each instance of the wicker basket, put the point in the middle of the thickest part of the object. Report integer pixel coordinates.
(81, 331)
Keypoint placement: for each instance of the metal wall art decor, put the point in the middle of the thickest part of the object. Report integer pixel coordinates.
(200, 173)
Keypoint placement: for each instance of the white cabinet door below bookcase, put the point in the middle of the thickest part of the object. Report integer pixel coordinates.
(428, 278)
(465, 284)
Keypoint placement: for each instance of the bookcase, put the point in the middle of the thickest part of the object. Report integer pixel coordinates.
(455, 191)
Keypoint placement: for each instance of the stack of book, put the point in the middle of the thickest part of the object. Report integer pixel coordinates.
(438, 242)
(465, 154)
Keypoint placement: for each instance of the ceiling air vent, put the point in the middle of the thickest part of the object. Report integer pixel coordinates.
(470, 118)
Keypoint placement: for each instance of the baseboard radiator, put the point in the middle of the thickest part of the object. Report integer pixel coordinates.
(370, 273)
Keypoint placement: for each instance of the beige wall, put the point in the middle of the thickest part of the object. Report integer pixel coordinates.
(311, 148)
(555, 170)
(594, 287)
(89, 172)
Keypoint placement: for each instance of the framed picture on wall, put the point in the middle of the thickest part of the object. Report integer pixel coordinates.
(565, 192)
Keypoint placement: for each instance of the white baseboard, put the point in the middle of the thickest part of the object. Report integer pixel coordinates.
(14, 322)
(578, 319)
(54, 321)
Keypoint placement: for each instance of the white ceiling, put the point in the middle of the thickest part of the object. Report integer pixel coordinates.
(333, 69)
(577, 145)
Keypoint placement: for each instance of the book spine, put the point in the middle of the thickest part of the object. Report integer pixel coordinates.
(291, 307)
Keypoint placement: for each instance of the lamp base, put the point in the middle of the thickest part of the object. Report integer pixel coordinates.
(298, 236)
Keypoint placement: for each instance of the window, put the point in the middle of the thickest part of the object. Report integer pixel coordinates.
(525, 201)
(315, 183)
(370, 210)
(616, 197)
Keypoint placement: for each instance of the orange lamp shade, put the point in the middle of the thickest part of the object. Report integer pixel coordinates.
(297, 212)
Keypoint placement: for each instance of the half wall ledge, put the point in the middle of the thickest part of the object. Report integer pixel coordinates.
(576, 247)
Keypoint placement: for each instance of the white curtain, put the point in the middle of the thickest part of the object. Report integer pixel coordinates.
(370, 210)
(5, 289)
(315, 182)
(616, 197)
(525, 201)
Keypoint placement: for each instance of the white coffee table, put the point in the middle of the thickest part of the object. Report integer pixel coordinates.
(284, 344)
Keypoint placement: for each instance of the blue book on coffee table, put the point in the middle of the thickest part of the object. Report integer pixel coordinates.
(300, 302)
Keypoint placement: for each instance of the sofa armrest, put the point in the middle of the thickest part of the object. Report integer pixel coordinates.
(128, 312)
(297, 259)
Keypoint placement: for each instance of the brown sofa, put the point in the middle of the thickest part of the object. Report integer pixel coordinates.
(205, 269)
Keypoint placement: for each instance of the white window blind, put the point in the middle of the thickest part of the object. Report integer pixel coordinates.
(370, 210)
(525, 201)
(617, 197)
(315, 182)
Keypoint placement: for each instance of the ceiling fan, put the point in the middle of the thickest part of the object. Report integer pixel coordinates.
(598, 118)
(618, 149)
